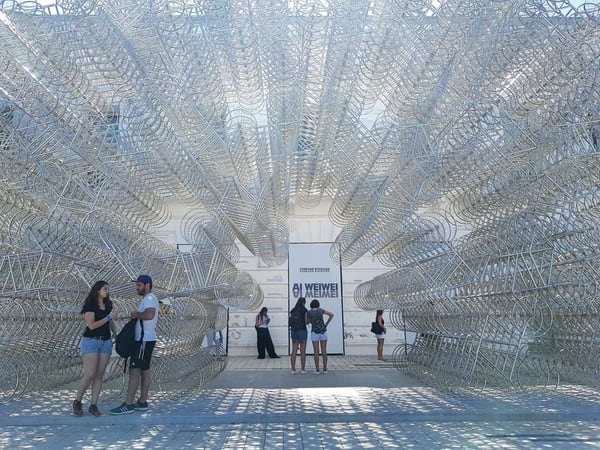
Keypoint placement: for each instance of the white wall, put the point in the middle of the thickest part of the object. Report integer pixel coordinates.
(310, 225)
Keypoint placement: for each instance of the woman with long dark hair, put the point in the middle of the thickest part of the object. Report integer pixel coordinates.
(263, 336)
(298, 333)
(96, 344)
(380, 336)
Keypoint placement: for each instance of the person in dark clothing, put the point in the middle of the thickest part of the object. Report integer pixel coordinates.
(263, 336)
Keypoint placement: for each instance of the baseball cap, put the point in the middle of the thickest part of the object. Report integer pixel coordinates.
(144, 279)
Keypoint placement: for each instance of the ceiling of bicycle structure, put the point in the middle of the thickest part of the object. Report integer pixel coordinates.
(431, 126)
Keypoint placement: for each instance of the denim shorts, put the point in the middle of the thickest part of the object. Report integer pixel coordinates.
(298, 335)
(316, 337)
(90, 345)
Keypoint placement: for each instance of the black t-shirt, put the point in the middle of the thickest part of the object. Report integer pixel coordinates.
(99, 314)
(298, 318)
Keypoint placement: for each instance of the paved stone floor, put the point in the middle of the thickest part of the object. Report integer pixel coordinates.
(360, 403)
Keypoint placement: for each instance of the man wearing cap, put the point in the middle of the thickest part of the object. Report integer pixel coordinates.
(139, 367)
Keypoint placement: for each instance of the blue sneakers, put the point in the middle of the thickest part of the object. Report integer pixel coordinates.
(139, 406)
(123, 409)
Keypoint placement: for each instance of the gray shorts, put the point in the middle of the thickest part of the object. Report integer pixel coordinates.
(316, 337)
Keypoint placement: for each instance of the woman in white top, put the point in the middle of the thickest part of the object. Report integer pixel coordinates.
(263, 336)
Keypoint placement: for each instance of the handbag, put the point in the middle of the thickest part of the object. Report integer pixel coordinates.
(376, 328)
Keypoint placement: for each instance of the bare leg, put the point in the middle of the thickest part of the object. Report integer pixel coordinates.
(316, 355)
(293, 355)
(324, 352)
(101, 364)
(145, 376)
(380, 349)
(90, 361)
(303, 355)
(134, 383)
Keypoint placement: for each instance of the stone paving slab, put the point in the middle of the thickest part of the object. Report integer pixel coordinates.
(300, 435)
(263, 407)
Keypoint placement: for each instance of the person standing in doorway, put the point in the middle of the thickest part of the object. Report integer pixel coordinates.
(96, 344)
(318, 334)
(298, 334)
(139, 367)
(263, 336)
(381, 336)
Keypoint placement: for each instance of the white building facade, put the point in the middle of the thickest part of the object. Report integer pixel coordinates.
(306, 226)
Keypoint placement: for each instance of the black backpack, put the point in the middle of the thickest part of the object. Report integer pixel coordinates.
(125, 343)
